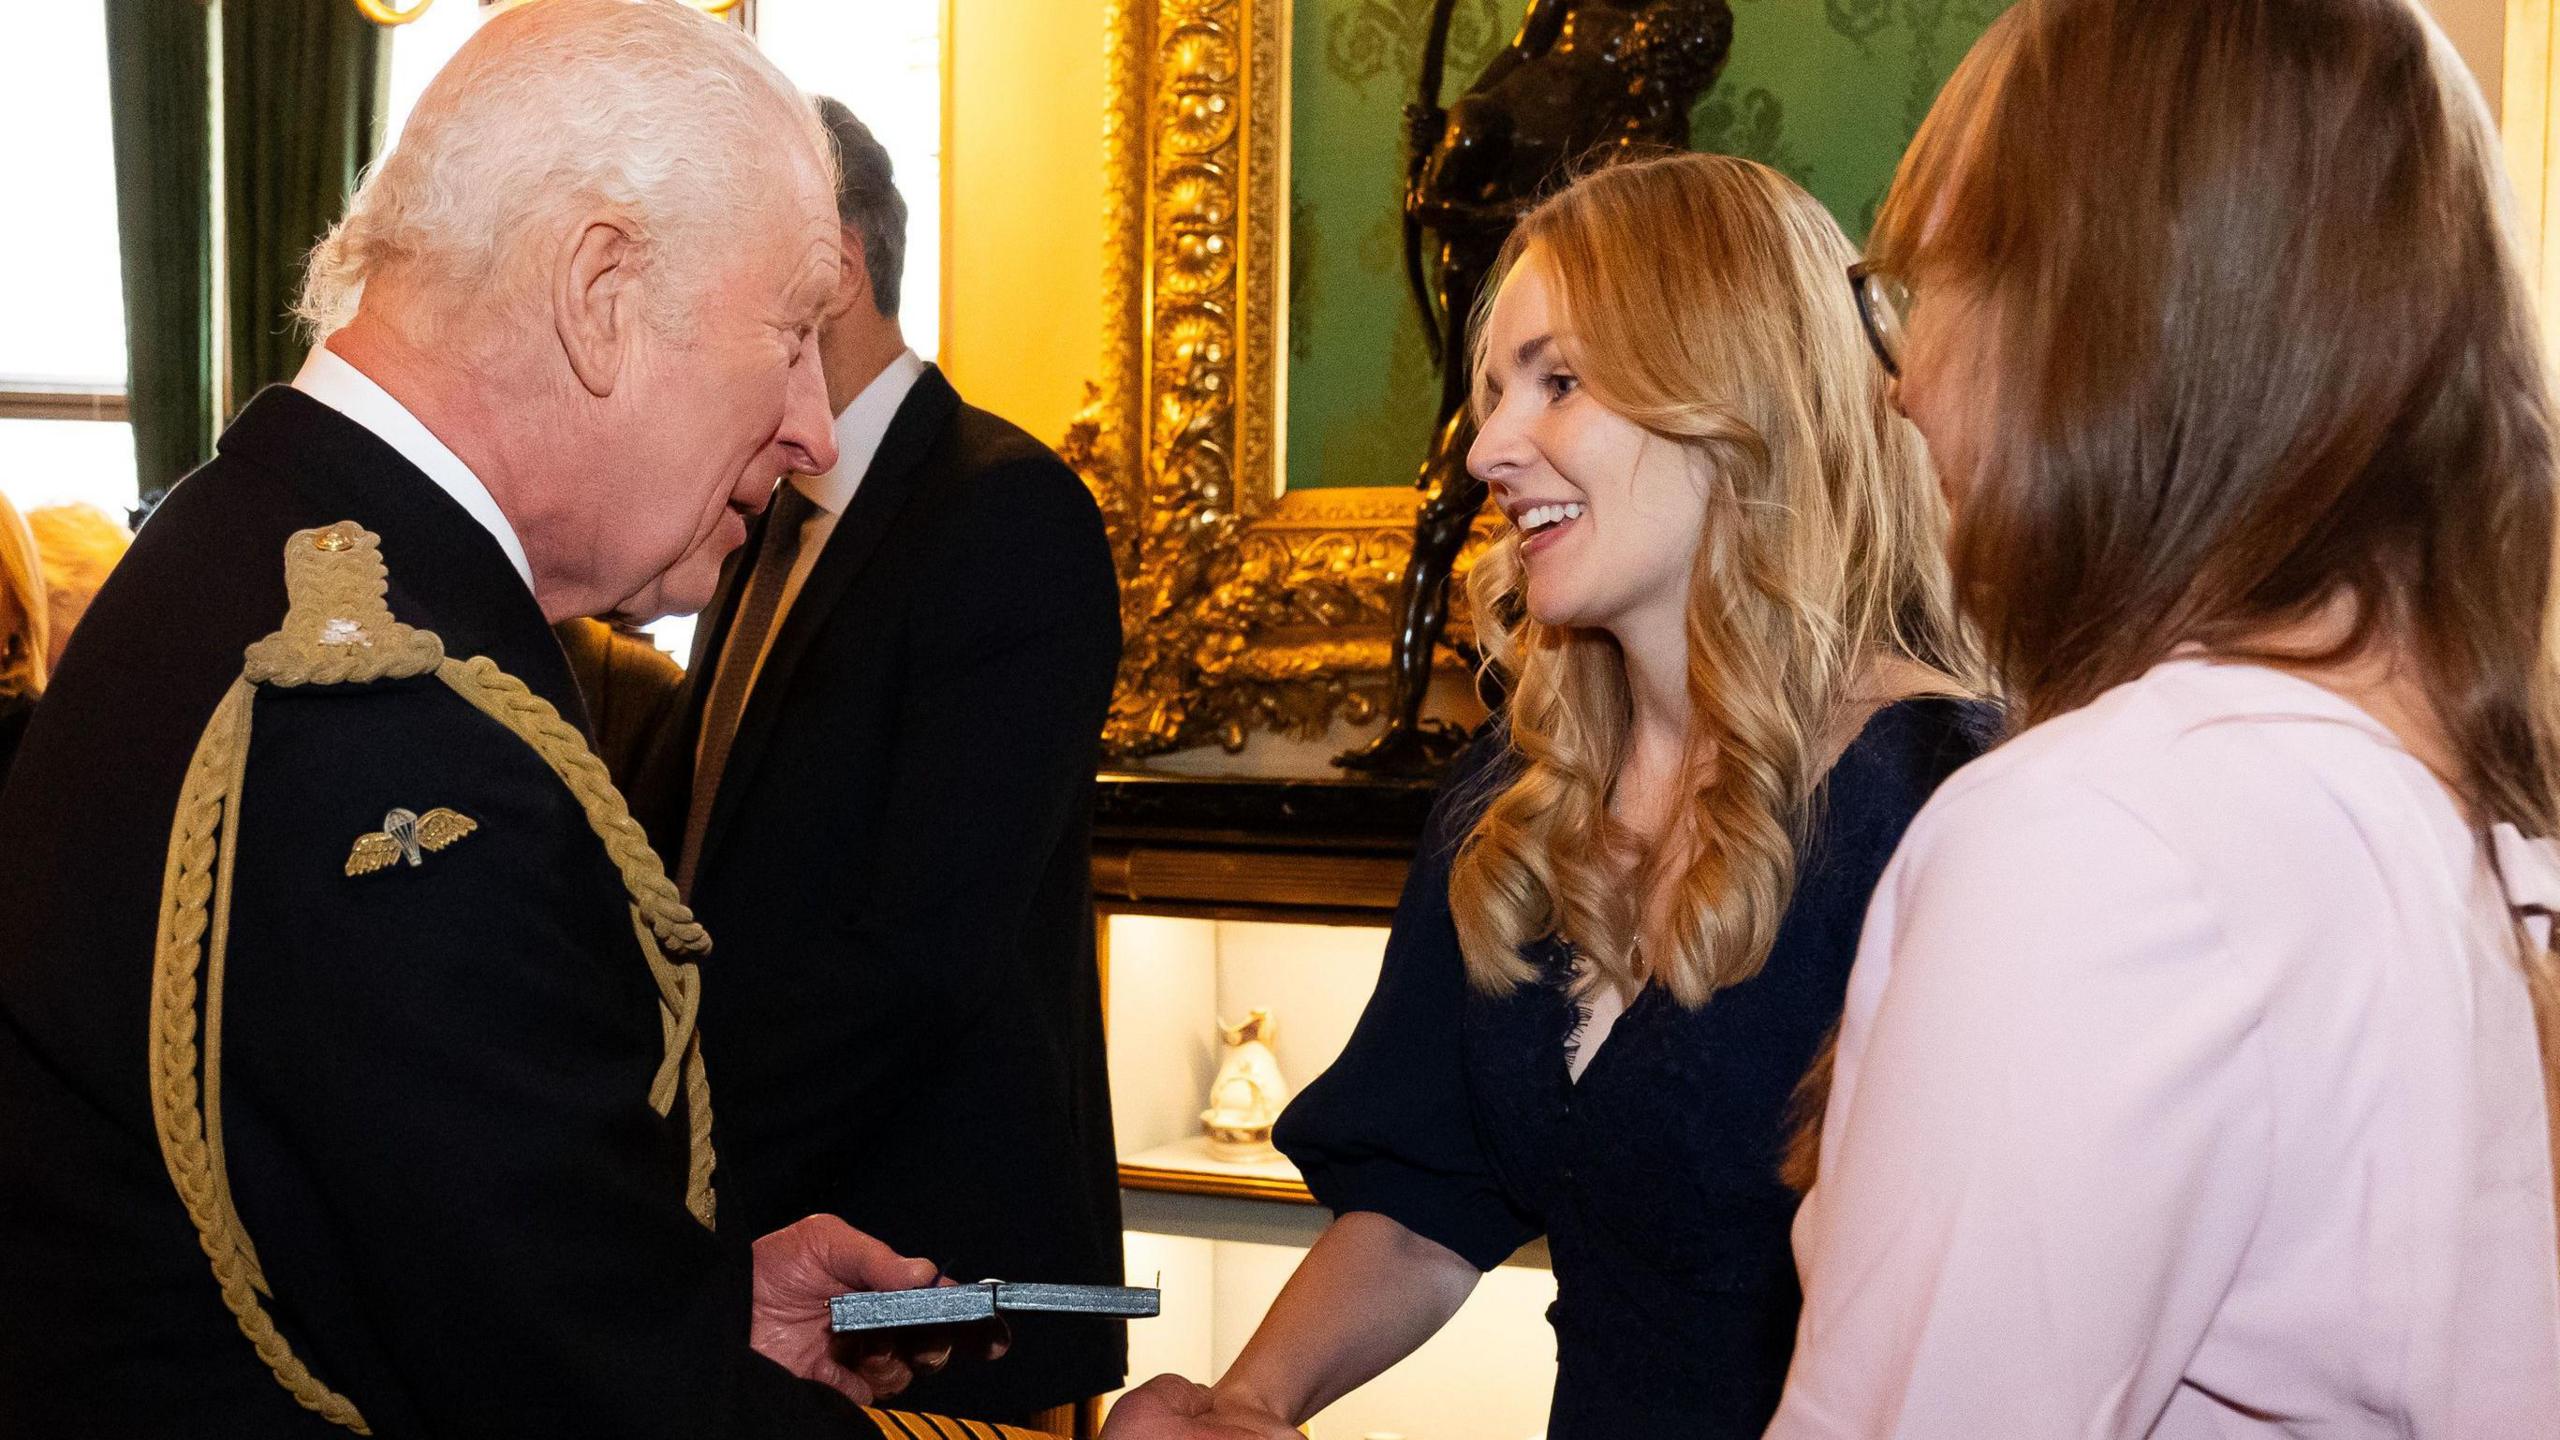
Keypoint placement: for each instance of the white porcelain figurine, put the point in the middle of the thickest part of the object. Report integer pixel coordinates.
(1248, 1092)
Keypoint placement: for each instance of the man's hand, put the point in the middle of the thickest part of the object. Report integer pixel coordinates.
(800, 1266)
(1172, 1408)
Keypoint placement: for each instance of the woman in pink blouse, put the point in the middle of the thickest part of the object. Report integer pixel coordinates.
(2189, 1083)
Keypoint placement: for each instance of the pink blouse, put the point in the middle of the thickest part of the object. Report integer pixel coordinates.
(2188, 1087)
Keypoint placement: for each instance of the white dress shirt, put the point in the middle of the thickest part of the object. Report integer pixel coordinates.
(2187, 1089)
(328, 378)
(859, 431)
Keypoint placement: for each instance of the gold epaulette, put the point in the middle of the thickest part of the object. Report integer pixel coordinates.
(337, 627)
(338, 630)
(902, 1425)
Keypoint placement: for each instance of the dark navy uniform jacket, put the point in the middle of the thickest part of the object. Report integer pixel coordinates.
(435, 1078)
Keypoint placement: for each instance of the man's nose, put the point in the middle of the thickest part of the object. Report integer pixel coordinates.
(808, 426)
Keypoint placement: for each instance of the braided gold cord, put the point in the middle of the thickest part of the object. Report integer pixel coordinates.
(338, 630)
(563, 747)
(661, 919)
(187, 885)
(233, 780)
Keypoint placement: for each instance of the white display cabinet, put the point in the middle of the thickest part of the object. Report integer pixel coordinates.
(1486, 1376)
(1207, 922)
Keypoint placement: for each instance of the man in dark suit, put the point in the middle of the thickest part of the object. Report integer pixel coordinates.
(892, 738)
(631, 688)
(348, 1078)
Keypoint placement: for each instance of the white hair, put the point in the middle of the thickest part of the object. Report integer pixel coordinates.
(672, 119)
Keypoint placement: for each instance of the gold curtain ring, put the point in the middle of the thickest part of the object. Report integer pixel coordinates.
(715, 7)
(381, 13)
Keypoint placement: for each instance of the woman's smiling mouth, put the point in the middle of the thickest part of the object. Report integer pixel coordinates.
(1540, 524)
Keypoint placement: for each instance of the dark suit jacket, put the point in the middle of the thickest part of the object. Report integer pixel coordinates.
(15, 710)
(435, 1079)
(903, 1017)
(631, 688)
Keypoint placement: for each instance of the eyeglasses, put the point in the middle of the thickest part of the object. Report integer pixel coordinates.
(1884, 304)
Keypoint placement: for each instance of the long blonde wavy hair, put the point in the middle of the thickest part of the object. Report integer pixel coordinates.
(1704, 298)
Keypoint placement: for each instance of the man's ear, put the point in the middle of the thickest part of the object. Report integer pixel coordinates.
(853, 276)
(595, 300)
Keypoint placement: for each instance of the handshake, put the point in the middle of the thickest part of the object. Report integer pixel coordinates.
(1170, 1407)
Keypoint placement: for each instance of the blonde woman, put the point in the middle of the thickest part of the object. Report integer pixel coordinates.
(24, 644)
(2189, 1083)
(1722, 608)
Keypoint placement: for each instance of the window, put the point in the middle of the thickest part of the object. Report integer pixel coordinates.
(62, 365)
(883, 59)
(62, 345)
(418, 50)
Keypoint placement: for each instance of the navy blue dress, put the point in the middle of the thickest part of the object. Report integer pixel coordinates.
(1655, 1178)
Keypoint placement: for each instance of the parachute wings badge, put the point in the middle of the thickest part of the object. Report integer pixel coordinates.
(406, 835)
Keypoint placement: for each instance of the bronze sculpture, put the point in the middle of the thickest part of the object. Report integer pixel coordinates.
(1583, 79)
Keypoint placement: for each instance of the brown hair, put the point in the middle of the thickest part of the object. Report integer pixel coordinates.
(1705, 299)
(2260, 342)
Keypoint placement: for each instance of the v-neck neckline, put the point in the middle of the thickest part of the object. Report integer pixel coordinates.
(1577, 1020)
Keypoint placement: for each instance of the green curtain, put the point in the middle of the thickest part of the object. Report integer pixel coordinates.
(302, 102)
(302, 89)
(158, 54)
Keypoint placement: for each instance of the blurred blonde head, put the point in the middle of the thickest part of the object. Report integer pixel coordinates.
(25, 654)
(1704, 299)
(77, 545)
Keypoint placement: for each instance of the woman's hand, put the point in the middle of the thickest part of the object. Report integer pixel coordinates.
(1172, 1408)
(799, 1267)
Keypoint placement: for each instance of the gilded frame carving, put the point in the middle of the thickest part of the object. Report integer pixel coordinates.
(1243, 608)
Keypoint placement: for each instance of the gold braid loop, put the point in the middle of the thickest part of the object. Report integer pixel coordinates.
(338, 630)
(659, 920)
(190, 1134)
(563, 746)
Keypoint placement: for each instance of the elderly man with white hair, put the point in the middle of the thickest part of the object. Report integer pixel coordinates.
(348, 1069)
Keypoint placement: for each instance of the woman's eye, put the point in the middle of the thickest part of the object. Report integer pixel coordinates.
(1558, 384)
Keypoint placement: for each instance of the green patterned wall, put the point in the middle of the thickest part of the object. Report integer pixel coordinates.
(1828, 91)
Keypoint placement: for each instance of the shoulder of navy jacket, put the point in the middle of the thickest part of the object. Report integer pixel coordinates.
(338, 631)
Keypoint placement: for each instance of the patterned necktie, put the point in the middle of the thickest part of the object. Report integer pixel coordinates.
(757, 607)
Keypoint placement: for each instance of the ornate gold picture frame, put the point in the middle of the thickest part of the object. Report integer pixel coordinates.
(1243, 608)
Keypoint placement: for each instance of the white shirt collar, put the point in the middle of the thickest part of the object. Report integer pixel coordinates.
(328, 378)
(859, 431)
